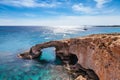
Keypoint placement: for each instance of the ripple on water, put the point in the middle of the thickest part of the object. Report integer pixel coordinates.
(19, 69)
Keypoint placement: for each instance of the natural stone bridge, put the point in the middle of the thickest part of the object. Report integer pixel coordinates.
(96, 55)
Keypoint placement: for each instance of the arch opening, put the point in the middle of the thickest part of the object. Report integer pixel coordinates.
(48, 54)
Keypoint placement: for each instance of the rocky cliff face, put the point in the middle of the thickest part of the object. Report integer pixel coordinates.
(100, 53)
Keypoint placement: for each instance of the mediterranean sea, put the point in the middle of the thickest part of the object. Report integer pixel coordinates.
(17, 39)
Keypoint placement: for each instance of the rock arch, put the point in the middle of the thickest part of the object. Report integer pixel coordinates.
(100, 53)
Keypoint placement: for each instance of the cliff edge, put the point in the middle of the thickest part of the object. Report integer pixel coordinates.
(97, 54)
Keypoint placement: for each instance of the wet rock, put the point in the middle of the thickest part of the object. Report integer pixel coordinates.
(99, 53)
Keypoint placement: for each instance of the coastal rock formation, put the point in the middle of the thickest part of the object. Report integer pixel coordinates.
(97, 54)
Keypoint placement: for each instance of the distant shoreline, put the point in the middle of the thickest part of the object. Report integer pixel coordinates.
(108, 26)
(48, 26)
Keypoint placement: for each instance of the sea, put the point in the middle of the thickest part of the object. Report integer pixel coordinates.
(17, 39)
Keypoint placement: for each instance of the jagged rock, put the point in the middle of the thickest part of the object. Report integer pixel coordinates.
(100, 53)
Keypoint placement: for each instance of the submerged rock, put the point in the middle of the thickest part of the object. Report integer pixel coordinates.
(98, 54)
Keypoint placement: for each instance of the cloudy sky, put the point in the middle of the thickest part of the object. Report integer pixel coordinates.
(60, 12)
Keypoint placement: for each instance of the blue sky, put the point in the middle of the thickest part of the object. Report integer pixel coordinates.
(59, 12)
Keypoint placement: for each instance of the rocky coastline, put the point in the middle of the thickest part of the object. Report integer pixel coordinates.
(93, 57)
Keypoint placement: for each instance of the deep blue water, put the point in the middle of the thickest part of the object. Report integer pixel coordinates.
(14, 40)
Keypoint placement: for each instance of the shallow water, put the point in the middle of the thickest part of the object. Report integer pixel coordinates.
(14, 40)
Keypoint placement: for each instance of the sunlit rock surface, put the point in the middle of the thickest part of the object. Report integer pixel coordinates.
(99, 52)
(80, 78)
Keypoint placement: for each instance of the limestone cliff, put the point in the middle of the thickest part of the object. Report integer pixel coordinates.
(100, 53)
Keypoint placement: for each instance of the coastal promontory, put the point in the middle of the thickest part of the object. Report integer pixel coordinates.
(97, 55)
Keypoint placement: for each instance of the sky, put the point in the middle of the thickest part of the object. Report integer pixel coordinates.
(59, 12)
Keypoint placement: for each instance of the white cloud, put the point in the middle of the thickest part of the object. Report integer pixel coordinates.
(28, 3)
(81, 8)
(89, 10)
(100, 3)
(65, 21)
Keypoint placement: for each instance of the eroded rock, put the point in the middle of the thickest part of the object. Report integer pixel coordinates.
(99, 53)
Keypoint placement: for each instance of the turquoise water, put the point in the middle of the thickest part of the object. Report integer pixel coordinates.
(14, 40)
